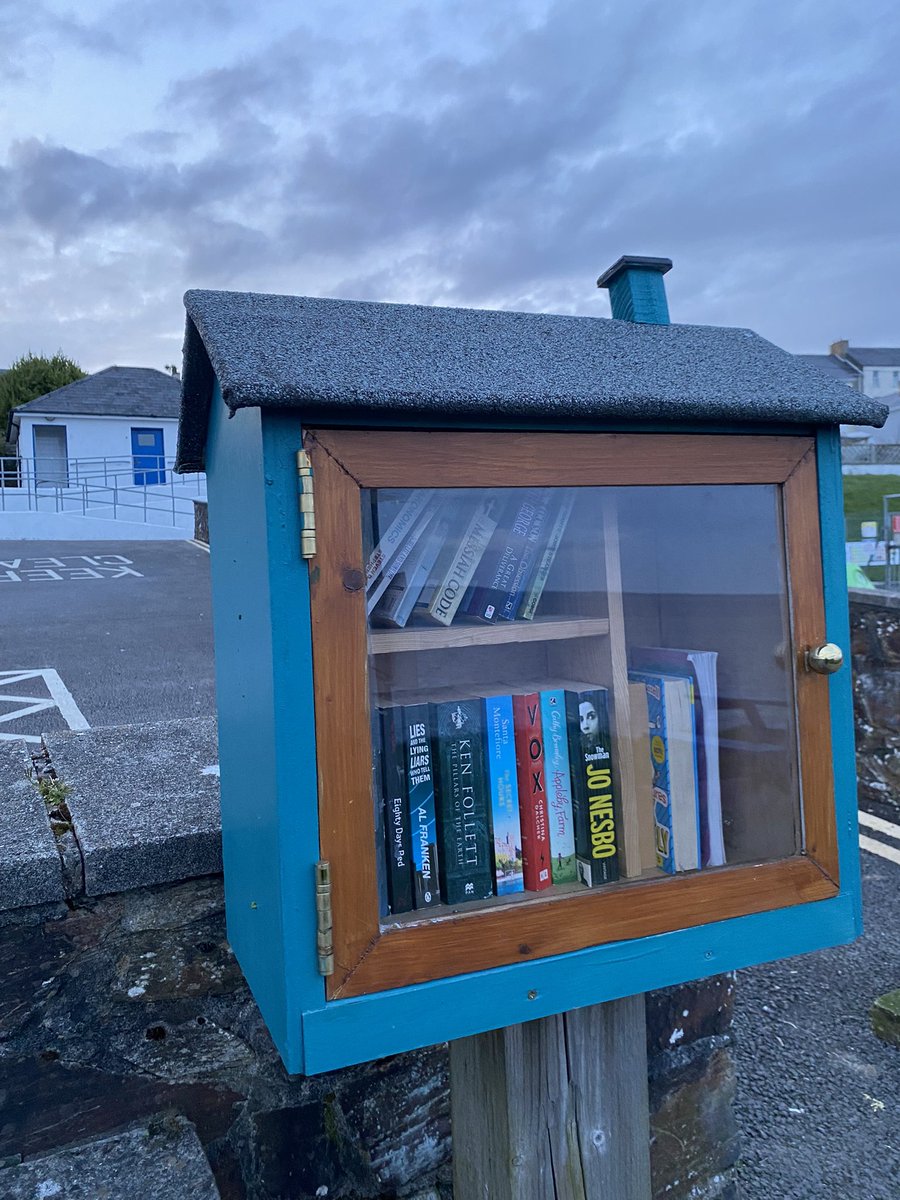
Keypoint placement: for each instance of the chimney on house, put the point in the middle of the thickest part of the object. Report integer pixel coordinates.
(839, 349)
(636, 289)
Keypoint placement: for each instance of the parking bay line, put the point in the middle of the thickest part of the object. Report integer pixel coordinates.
(60, 698)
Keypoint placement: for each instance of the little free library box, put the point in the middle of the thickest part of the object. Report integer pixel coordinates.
(527, 639)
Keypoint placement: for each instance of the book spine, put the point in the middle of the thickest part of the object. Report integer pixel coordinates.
(535, 587)
(501, 561)
(464, 832)
(536, 533)
(380, 812)
(420, 789)
(398, 601)
(659, 758)
(500, 754)
(593, 790)
(395, 533)
(396, 812)
(559, 786)
(405, 552)
(448, 594)
(536, 869)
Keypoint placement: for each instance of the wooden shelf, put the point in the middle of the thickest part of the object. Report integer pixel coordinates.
(547, 629)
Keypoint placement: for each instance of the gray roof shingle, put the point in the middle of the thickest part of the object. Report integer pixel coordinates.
(834, 366)
(366, 362)
(113, 392)
(875, 356)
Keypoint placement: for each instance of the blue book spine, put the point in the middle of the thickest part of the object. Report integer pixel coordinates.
(558, 777)
(422, 819)
(530, 551)
(504, 789)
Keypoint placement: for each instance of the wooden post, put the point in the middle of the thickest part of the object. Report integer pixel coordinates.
(555, 1109)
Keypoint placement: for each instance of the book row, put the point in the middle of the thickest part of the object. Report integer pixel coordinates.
(447, 556)
(492, 795)
(488, 796)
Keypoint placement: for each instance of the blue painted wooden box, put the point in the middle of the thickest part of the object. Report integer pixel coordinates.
(707, 452)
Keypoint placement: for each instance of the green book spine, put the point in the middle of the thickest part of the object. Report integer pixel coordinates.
(463, 802)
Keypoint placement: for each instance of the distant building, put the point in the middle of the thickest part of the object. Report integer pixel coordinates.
(875, 371)
(125, 414)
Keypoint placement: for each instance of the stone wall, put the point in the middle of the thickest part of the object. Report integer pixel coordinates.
(875, 653)
(125, 1021)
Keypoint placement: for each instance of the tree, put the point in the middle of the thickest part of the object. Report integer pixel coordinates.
(31, 376)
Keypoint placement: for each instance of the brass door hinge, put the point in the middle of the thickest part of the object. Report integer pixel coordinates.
(307, 504)
(324, 935)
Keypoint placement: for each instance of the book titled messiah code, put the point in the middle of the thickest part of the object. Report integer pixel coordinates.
(464, 838)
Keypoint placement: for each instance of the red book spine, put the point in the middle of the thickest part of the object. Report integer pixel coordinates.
(532, 792)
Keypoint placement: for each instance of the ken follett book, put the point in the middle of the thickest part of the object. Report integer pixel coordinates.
(594, 802)
(396, 812)
(464, 826)
(420, 793)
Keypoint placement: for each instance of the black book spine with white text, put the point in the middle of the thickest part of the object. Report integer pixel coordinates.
(594, 802)
(396, 812)
(465, 854)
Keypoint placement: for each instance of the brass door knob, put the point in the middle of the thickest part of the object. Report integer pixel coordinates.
(825, 659)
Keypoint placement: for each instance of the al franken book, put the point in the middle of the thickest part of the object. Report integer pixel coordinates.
(673, 754)
(464, 826)
(536, 869)
(594, 800)
(420, 791)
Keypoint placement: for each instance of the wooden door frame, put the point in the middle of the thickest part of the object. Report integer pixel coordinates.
(369, 957)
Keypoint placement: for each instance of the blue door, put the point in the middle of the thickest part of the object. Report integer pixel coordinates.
(149, 456)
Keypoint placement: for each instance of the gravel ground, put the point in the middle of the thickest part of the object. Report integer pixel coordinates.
(818, 1093)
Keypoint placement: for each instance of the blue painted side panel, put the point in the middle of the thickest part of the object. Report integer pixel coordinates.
(639, 295)
(350, 1031)
(837, 625)
(264, 690)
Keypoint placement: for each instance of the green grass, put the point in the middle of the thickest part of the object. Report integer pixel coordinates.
(862, 500)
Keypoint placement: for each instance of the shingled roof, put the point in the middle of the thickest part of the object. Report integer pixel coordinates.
(356, 360)
(113, 392)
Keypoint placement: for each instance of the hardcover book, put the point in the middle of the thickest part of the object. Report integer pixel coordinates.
(536, 869)
(594, 799)
(559, 785)
(447, 595)
(422, 816)
(464, 832)
(557, 521)
(497, 571)
(673, 755)
(500, 754)
(396, 812)
(699, 666)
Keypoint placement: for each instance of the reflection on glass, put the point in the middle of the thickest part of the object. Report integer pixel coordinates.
(574, 686)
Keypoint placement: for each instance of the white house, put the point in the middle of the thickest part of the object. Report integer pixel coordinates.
(874, 370)
(126, 417)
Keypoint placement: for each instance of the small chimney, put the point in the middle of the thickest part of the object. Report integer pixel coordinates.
(839, 349)
(636, 289)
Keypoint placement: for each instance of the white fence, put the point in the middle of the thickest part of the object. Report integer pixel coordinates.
(102, 487)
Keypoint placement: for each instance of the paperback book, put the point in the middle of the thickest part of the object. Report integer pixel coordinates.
(464, 830)
(558, 518)
(673, 756)
(396, 812)
(396, 605)
(408, 511)
(559, 785)
(536, 868)
(421, 796)
(455, 570)
(405, 552)
(594, 799)
(500, 752)
(497, 573)
(509, 608)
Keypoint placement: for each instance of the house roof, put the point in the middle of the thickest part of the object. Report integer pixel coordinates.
(361, 361)
(834, 366)
(113, 392)
(874, 356)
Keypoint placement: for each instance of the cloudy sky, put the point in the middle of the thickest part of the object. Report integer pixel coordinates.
(459, 152)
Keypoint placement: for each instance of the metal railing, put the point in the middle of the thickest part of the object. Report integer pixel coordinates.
(141, 488)
(869, 455)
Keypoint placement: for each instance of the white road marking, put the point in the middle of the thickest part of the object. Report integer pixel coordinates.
(60, 698)
(199, 545)
(889, 852)
(879, 825)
